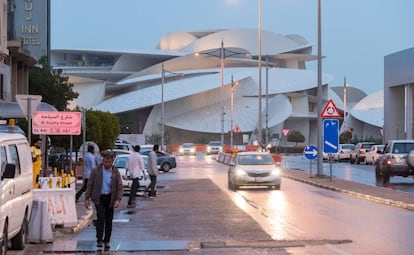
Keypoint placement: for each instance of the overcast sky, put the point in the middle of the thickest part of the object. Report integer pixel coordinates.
(356, 34)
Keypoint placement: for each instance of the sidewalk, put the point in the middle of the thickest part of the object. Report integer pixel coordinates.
(381, 195)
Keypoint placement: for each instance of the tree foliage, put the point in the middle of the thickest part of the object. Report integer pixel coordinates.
(101, 127)
(296, 137)
(54, 88)
(345, 137)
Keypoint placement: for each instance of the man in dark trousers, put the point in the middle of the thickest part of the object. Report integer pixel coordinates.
(135, 168)
(89, 163)
(153, 170)
(105, 189)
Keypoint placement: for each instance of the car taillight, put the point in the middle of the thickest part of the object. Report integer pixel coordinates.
(389, 161)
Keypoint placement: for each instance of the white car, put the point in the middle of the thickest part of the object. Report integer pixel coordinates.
(187, 149)
(121, 162)
(372, 155)
(253, 169)
(344, 152)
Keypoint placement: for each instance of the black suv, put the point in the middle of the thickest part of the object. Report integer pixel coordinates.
(394, 161)
(358, 154)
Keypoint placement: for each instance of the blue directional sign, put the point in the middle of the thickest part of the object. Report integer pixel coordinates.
(311, 152)
(330, 135)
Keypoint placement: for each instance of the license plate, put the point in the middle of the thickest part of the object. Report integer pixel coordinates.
(260, 179)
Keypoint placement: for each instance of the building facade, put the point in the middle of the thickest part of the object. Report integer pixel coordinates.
(192, 100)
(399, 95)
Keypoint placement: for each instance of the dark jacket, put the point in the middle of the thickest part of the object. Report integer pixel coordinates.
(93, 190)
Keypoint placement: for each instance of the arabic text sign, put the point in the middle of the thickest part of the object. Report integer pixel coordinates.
(56, 123)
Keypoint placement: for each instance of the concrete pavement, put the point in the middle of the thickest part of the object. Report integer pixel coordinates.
(177, 221)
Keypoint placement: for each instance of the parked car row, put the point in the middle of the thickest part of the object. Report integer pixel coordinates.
(363, 152)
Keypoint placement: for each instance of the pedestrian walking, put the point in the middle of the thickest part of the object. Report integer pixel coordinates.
(105, 190)
(136, 169)
(89, 163)
(153, 170)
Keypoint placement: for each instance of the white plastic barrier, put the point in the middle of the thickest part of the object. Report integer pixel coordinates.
(60, 205)
(39, 230)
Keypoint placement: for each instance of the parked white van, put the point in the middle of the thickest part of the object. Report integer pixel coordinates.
(16, 186)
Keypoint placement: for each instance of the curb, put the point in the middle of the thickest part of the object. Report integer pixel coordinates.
(86, 219)
(376, 199)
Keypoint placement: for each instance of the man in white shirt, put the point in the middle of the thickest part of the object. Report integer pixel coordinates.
(136, 170)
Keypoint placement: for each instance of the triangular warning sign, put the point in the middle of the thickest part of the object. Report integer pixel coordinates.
(330, 110)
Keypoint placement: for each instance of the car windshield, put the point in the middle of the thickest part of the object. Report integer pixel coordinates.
(215, 143)
(187, 145)
(348, 146)
(403, 147)
(255, 160)
(120, 162)
(366, 145)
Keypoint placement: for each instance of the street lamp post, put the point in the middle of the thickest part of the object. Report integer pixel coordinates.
(163, 71)
(162, 105)
(345, 86)
(221, 92)
(259, 121)
(267, 101)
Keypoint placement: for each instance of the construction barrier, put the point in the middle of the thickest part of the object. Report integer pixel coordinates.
(39, 230)
(60, 203)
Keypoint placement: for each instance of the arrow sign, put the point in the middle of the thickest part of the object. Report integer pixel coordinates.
(310, 152)
(330, 135)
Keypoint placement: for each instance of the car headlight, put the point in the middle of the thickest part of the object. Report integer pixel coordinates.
(192, 150)
(275, 172)
(181, 150)
(240, 172)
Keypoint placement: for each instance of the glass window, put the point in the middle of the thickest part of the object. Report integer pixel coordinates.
(14, 158)
(3, 159)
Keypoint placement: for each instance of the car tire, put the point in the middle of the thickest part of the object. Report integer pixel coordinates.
(3, 248)
(19, 241)
(166, 167)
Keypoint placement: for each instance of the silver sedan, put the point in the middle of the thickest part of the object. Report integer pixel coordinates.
(253, 169)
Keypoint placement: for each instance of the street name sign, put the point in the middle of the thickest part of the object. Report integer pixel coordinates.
(56, 123)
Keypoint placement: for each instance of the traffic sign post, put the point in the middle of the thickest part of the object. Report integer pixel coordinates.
(330, 135)
(311, 153)
(28, 104)
(330, 139)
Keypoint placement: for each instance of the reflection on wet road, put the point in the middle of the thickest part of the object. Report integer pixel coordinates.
(344, 170)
